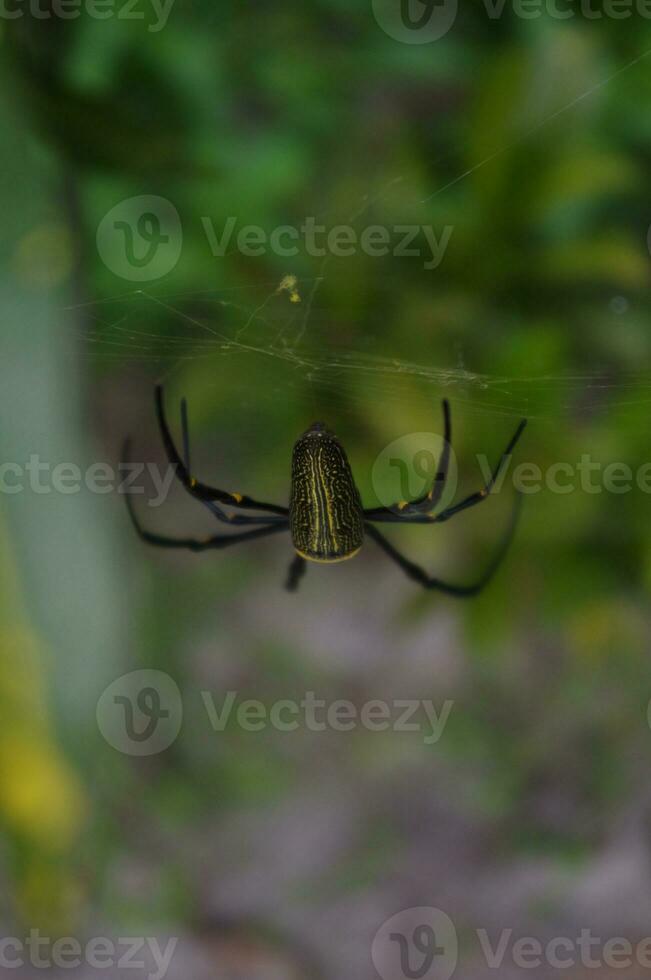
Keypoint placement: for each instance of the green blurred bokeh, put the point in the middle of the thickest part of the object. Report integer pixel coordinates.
(531, 140)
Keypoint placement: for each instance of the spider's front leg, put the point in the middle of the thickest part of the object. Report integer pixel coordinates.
(419, 512)
(236, 519)
(200, 490)
(426, 503)
(214, 508)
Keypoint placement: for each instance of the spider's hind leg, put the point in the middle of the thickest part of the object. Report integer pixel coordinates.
(295, 573)
(419, 575)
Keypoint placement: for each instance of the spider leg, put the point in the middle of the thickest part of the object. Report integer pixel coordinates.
(186, 434)
(212, 507)
(428, 501)
(295, 573)
(193, 544)
(201, 490)
(419, 575)
(386, 516)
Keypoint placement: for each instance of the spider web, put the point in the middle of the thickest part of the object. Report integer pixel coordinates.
(282, 322)
(262, 322)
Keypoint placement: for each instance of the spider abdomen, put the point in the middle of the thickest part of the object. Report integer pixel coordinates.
(325, 511)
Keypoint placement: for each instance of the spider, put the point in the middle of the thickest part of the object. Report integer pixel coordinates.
(325, 517)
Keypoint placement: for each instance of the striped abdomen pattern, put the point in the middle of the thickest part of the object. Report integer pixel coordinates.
(325, 511)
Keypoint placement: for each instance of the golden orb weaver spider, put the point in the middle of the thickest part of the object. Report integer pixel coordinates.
(325, 517)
